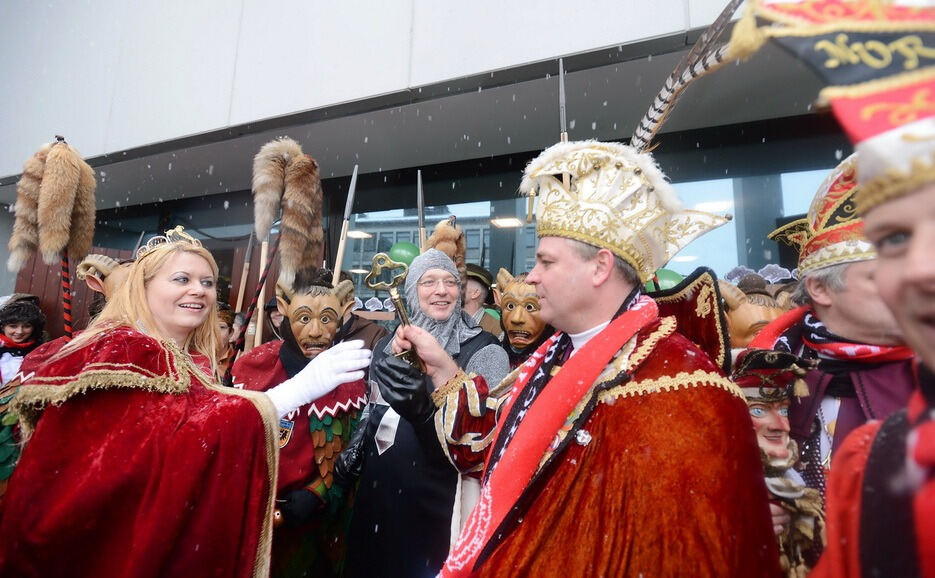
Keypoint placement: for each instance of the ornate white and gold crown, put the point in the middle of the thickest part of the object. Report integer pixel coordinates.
(617, 199)
(176, 235)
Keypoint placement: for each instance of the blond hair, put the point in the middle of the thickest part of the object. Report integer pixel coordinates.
(128, 306)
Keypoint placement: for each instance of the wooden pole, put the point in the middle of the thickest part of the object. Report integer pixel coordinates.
(245, 273)
(66, 296)
(261, 301)
(420, 205)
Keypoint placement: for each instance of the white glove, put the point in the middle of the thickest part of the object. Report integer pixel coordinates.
(341, 363)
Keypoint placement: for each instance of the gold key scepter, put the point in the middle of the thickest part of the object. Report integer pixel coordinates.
(381, 262)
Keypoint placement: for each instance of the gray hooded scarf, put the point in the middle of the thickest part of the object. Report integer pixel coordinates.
(455, 330)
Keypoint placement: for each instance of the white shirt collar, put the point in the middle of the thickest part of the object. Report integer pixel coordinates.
(580, 339)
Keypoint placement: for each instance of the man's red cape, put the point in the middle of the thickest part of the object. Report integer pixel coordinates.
(138, 465)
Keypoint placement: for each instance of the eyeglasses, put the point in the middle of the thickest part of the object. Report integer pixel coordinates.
(448, 282)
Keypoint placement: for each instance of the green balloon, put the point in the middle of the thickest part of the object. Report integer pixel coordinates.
(404, 252)
(667, 279)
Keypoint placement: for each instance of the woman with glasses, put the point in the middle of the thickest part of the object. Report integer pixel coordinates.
(402, 523)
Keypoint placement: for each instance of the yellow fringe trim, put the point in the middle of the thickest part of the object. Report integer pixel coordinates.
(667, 383)
(33, 397)
(746, 39)
(454, 383)
(666, 328)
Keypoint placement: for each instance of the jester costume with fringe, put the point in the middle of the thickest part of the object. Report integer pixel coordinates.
(634, 457)
(310, 440)
(137, 465)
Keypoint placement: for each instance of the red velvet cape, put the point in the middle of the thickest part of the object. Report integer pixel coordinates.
(667, 482)
(138, 465)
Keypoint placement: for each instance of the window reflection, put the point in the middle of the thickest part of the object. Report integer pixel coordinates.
(758, 204)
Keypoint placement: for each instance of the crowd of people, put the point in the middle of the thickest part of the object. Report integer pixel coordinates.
(458, 451)
(570, 420)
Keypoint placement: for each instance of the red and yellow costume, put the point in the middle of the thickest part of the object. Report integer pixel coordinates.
(310, 440)
(130, 438)
(652, 469)
(306, 457)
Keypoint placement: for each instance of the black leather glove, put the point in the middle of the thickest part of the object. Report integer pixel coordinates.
(350, 462)
(404, 387)
(299, 507)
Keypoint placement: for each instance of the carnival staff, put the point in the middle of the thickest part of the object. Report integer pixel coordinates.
(138, 463)
(864, 370)
(608, 457)
(402, 522)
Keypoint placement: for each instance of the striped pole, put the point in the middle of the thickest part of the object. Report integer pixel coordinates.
(66, 295)
(239, 344)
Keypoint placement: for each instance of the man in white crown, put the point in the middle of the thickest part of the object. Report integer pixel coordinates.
(618, 448)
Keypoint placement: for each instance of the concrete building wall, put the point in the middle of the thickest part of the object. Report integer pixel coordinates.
(114, 75)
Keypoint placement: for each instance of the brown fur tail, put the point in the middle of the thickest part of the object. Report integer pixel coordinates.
(25, 237)
(301, 243)
(82, 217)
(449, 239)
(57, 200)
(269, 176)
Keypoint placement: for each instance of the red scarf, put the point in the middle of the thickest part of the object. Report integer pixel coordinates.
(535, 432)
(802, 327)
(7, 343)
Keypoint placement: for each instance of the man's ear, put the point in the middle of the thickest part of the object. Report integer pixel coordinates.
(282, 306)
(95, 284)
(603, 267)
(818, 292)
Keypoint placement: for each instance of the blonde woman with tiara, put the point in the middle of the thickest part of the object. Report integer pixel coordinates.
(137, 462)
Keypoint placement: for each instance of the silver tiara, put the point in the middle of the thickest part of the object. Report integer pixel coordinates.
(176, 235)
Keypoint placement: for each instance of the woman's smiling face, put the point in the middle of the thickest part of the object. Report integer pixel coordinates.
(181, 295)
